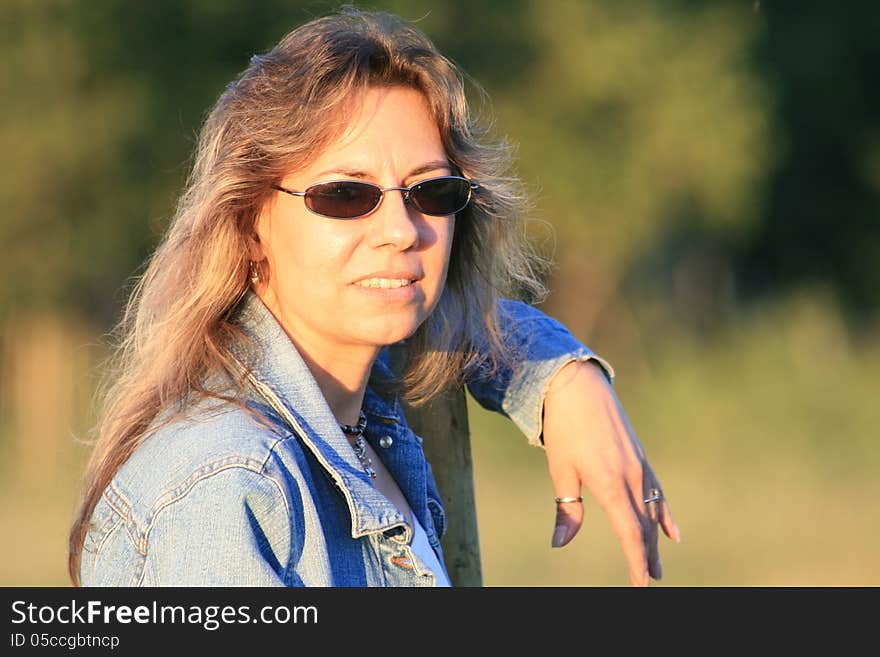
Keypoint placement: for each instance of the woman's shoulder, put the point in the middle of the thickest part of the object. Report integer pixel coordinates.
(184, 449)
(209, 465)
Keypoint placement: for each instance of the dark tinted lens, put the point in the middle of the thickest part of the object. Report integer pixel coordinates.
(441, 196)
(342, 200)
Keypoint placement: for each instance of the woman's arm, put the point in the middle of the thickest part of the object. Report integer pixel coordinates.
(559, 394)
(543, 346)
(590, 443)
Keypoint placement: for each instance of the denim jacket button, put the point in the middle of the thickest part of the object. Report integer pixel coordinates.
(386, 441)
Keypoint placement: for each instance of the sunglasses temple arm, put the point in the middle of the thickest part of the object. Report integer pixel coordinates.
(287, 191)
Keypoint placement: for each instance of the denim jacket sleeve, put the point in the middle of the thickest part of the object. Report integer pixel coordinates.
(231, 528)
(227, 527)
(543, 346)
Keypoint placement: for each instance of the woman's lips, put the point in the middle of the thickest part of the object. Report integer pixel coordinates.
(391, 289)
(384, 283)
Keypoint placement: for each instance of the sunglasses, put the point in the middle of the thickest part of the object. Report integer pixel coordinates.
(352, 199)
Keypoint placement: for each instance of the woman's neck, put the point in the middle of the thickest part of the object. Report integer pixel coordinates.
(341, 371)
(343, 382)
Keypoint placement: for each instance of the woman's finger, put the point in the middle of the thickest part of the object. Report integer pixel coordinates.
(664, 515)
(628, 526)
(569, 517)
(641, 491)
(652, 518)
(569, 506)
(670, 527)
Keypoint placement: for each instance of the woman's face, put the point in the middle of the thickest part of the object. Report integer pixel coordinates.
(323, 272)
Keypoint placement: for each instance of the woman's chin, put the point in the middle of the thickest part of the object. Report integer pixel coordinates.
(392, 333)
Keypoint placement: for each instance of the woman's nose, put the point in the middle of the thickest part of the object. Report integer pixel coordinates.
(395, 222)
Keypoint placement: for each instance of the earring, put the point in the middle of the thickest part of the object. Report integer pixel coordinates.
(255, 273)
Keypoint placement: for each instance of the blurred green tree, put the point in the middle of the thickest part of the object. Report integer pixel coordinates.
(821, 223)
(636, 120)
(648, 134)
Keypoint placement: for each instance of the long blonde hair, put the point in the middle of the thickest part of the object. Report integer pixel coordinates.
(268, 121)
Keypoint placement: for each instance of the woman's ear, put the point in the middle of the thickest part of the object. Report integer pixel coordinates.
(258, 263)
(256, 252)
(255, 248)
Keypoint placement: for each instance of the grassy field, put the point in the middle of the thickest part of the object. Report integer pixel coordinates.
(765, 439)
(764, 436)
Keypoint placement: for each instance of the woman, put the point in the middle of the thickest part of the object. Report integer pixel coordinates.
(341, 201)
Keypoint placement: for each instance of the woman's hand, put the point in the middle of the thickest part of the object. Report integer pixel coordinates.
(589, 442)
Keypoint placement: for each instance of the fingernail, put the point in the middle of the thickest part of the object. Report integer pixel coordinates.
(559, 535)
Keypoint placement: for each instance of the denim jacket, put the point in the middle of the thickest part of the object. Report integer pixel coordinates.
(219, 498)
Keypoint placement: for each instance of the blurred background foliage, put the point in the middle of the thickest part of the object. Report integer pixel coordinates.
(706, 176)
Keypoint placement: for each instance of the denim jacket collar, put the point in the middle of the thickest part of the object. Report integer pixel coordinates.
(277, 368)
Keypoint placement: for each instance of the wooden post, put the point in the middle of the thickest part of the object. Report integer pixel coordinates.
(443, 425)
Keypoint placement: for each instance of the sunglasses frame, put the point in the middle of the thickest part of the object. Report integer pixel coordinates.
(407, 193)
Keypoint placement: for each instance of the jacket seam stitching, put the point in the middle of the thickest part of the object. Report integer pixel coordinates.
(190, 484)
(108, 525)
(441, 512)
(172, 494)
(243, 466)
(127, 515)
(108, 534)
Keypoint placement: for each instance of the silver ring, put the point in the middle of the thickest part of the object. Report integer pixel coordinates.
(565, 500)
(654, 495)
